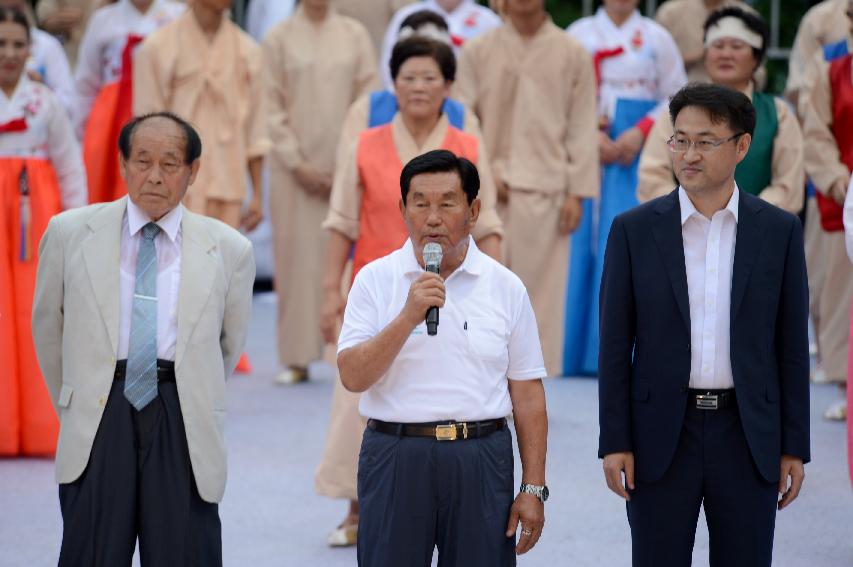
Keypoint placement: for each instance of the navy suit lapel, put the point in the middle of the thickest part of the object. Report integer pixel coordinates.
(667, 233)
(750, 232)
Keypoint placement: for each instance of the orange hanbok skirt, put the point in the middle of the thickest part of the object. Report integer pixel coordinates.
(113, 107)
(100, 144)
(28, 422)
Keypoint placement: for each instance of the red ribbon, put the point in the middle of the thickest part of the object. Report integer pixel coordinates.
(600, 56)
(16, 125)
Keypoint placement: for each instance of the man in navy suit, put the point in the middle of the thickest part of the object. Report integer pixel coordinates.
(704, 364)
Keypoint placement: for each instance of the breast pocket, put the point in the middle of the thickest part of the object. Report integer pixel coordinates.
(487, 337)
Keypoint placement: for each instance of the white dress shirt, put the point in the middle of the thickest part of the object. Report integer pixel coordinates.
(709, 255)
(467, 21)
(168, 246)
(487, 333)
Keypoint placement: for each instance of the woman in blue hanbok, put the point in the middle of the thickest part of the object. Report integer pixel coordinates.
(638, 67)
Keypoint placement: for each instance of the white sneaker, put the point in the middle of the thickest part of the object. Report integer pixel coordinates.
(837, 411)
(291, 375)
(344, 536)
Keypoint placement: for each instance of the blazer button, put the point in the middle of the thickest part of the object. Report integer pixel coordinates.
(103, 401)
(688, 347)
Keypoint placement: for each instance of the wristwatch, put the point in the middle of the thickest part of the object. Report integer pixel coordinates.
(540, 492)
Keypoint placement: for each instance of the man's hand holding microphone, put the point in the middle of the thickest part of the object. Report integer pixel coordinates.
(427, 293)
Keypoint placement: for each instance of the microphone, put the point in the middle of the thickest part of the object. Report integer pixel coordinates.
(432, 261)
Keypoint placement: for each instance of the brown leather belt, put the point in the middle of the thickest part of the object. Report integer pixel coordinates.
(440, 431)
(712, 399)
(165, 370)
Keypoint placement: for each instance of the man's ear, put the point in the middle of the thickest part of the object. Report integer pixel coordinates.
(194, 170)
(122, 166)
(743, 144)
(475, 206)
(402, 207)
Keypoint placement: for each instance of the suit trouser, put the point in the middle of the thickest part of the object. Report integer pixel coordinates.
(712, 467)
(417, 494)
(299, 242)
(539, 255)
(139, 482)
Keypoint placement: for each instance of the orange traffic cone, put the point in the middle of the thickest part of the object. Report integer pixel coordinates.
(243, 365)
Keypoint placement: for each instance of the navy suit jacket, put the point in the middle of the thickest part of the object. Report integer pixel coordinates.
(644, 359)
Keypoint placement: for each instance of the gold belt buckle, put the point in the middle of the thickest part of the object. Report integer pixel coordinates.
(450, 432)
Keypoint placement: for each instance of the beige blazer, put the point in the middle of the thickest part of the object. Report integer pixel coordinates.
(75, 327)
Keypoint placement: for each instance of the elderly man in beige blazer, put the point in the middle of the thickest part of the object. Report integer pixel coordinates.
(140, 313)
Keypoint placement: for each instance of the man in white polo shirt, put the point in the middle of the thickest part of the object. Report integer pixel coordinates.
(436, 462)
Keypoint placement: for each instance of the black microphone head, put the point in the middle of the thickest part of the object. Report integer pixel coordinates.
(432, 256)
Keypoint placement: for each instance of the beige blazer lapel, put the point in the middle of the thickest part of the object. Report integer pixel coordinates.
(101, 250)
(197, 274)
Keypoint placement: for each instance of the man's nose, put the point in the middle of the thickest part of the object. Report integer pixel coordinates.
(155, 175)
(434, 217)
(692, 155)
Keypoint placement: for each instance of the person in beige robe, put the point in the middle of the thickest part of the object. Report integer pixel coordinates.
(831, 176)
(684, 19)
(824, 24)
(67, 19)
(317, 63)
(533, 88)
(202, 67)
(373, 14)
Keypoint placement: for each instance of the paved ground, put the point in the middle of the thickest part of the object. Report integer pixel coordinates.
(271, 516)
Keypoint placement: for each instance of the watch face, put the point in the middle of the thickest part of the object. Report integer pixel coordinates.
(545, 493)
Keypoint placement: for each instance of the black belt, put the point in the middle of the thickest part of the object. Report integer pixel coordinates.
(441, 431)
(165, 370)
(712, 399)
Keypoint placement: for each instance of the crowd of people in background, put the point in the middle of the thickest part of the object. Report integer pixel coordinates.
(322, 103)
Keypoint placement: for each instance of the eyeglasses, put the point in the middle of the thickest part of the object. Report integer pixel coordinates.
(682, 145)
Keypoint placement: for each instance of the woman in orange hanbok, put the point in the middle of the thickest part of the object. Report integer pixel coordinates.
(41, 173)
(103, 81)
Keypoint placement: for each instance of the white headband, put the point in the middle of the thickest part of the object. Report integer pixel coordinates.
(733, 27)
(428, 30)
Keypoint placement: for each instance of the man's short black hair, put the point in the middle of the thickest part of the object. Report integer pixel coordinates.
(722, 104)
(418, 19)
(442, 161)
(15, 16)
(753, 22)
(192, 151)
(424, 47)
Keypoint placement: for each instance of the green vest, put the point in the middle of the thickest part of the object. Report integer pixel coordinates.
(755, 172)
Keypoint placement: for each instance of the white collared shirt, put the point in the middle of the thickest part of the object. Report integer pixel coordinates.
(709, 255)
(487, 333)
(168, 246)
